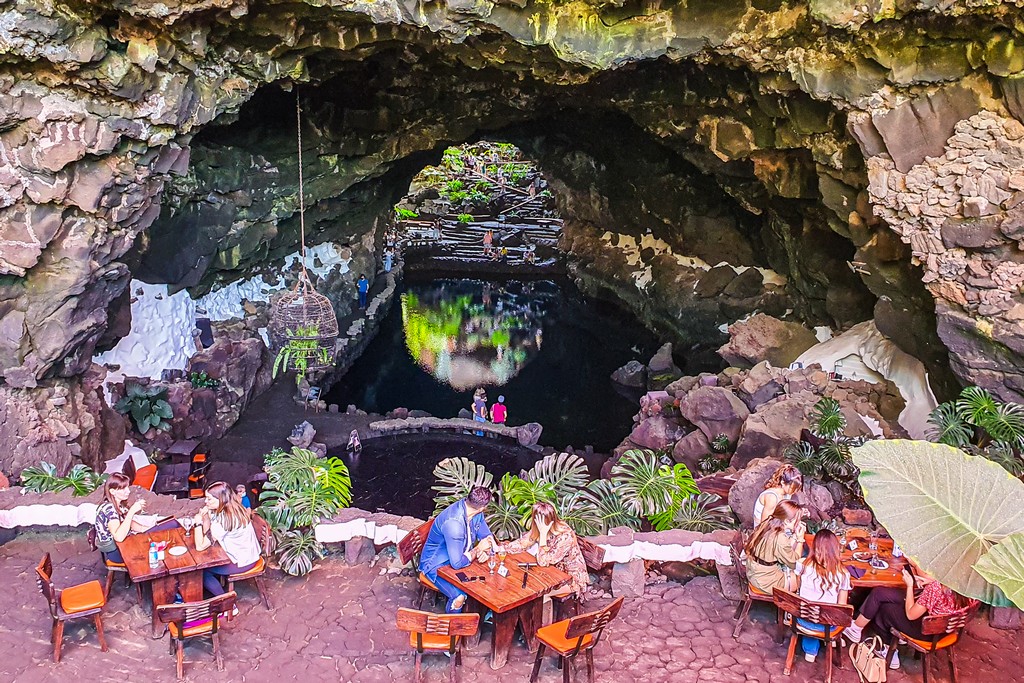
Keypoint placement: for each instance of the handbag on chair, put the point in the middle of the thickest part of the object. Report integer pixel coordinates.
(866, 660)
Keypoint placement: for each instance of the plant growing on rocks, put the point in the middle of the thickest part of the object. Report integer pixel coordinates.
(147, 406)
(465, 218)
(982, 425)
(200, 380)
(825, 455)
(405, 214)
(81, 480)
(301, 351)
(301, 491)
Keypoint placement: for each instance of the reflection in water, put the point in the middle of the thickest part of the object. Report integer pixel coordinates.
(468, 334)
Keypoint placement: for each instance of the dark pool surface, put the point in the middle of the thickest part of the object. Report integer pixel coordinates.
(544, 346)
(395, 473)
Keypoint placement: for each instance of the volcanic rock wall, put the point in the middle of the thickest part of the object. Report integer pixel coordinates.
(736, 129)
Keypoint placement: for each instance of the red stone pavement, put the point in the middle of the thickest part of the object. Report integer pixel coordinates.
(337, 624)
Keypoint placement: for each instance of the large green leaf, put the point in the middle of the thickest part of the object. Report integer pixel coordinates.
(1004, 566)
(566, 472)
(611, 511)
(644, 484)
(945, 508)
(455, 478)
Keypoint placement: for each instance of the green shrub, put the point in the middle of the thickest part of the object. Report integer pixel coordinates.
(147, 406)
(465, 218)
(200, 380)
(405, 214)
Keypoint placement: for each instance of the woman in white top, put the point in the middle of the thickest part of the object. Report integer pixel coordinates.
(823, 578)
(225, 521)
(781, 486)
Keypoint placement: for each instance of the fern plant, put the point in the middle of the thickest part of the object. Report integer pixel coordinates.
(983, 425)
(301, 351)
(147, 406)
(301, 491)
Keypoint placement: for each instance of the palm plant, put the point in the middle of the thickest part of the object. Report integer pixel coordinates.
(147, 406)
(828, 458)
(983, 425)
(301, 491)
(81, 480)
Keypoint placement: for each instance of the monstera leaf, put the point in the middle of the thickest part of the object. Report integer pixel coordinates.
(1004, 566)
(455, 478)
(945, 508)
(566, 472)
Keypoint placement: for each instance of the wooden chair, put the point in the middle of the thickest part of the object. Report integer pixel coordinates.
(409, 549)
(570, 637)
(195, 620)
(197, 480)
(112, 568)
(266, 540)
(437, 633)
(751, 594)
(942, 633)
(832, 618)
(84, 601)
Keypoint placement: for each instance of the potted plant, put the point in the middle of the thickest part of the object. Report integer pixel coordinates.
(301, 351)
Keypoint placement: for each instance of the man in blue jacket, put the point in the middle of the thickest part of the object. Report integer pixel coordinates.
(458, 535)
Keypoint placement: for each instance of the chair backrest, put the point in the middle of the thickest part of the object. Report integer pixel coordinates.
(198, 471)
(947, 623)
(735, 552)
(450, 625)
(128, 469)
(264, 535)
(823, 613)
(186, 612)
(411, 545)
(91, 537)
(593, 554)
(44, 574)
(592, 622)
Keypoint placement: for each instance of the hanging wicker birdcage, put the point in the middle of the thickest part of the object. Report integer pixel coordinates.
(302, 319)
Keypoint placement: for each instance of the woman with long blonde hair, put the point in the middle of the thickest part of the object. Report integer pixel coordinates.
(782, 485)
(223, 520)
(554, 543)
(774, 548)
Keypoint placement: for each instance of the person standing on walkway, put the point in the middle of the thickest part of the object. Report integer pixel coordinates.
(488, 241)
(479, 407)
(458, 535)
(389, 257)
(498, 412)
(363, 285)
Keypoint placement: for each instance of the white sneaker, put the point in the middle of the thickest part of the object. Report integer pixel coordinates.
(895, 663)
(809, 658)
(853, 633)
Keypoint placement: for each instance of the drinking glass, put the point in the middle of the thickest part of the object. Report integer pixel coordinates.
(502, 554)
(491, 563)
(842, 538)
(186, 524)
(873, 541)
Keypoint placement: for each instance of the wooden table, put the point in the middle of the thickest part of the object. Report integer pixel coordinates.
(182, 574)
(889, 578)
(182, 451)
(173, 479)
(505, 596)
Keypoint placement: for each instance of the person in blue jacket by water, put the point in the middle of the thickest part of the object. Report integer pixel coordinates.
(458, 536)
(363, 285)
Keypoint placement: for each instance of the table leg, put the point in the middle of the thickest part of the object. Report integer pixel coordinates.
(504, 630)
(162, 590)
(473, 606)
(190, 585)
(531, 616)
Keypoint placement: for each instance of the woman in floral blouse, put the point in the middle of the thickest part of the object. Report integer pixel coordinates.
(554, 543)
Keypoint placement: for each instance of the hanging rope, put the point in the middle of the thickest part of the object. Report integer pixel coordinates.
(303, 277)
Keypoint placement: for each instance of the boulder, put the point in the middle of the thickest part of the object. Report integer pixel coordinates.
(759, 386)
(773, 427)
(528, 434)
(749, 485)
(714, 410)
(682, 385)
(632, 374)
(691, 448)
(656, 433)
(628, 579)
(857, 516)
(302, 435)
(817, 499)
(655, 403)
(662, 363)
(359, 550)
(764, 338)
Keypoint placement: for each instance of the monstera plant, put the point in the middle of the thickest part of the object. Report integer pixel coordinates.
(641, 487)
(959, 516)
(983, 425)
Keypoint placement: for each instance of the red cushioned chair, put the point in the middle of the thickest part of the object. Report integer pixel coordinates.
(267, 544)
(195, 620)
(437, 633)
(144, 477)
(84, 601)
(941, 633)
(409, 549)
(112, 568)
(572, 636)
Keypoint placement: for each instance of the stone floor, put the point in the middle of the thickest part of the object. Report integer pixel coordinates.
(337, 624)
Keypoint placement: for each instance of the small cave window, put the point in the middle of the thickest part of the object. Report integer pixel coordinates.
(483, 202)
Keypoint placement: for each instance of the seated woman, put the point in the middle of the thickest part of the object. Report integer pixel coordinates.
(774, 548)
(888, 608)
(554, 543)
(224, 520)
(782, 485)
(823, 578)
(115, 519)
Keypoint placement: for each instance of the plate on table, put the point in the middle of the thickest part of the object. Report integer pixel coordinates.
(863, 556)
(879, 564)
(177, 551)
